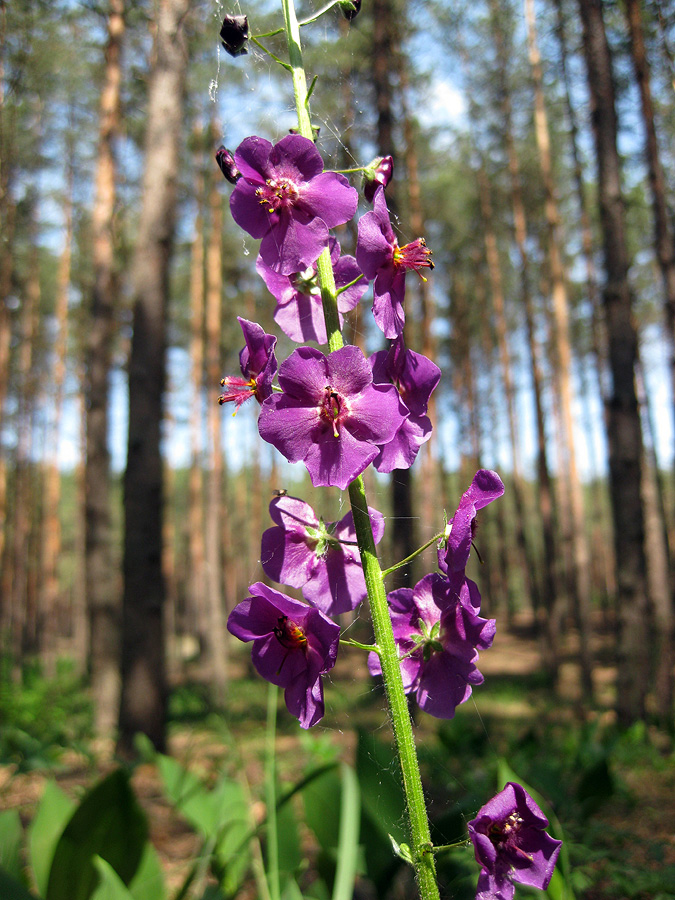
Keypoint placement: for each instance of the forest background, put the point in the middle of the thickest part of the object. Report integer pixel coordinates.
(131, 505)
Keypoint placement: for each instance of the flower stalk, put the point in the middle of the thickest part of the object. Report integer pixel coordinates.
(423, 859)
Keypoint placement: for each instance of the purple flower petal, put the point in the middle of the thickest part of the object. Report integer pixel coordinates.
(485, 487)
(511, 845)
(330, 415)
(293, 645)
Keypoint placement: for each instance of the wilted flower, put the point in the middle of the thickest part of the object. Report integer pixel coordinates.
(380, 258)
(485, 487)
(415, 378)
(293, 646)
(319, 557)
(378, 172)
(437, 634)
(299, 311)
(285, 198)
(258, 366)
(330, 415)
(228, 166)
(511, 845)
(234, 34)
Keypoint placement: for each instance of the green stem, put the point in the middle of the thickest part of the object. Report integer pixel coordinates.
(417, 552)
(271, 794)
(370, 648)
(423, 858)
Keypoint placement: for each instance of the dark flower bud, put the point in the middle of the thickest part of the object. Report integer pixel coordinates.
(378, 172)
(228, 166)
(350, 8)
(234, 34)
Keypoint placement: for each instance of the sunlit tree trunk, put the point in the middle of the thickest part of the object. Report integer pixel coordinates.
(663, 231)
(598, 330)
(102, 585)
(385, 49)
(624, 433)
(216, 644)
(50, 612)
(563, 356)
(528, 567)
(143, 698)
(196, 567)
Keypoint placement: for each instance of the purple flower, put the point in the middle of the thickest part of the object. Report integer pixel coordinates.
(485, 487)
(258, 366)
(511, 845)
(306, 552)
(234, 34)
(228, 167)
(299, 311)
(379, 172)
(293, 646)
(285, 198)
(415, 378)
(330, 415)
(438, 633)
(380, 258)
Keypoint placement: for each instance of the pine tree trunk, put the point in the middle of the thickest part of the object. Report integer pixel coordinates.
(196, 553)
(563, 359)
(624, 433)
(217, 646)
(143, 698)
(527, 565)
(385, 50)
(102, 588)
(51, 543)
(548, 615)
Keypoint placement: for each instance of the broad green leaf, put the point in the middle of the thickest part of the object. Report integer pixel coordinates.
(148, 882)
(348, 847)
(45, 830)
(11, 889)
(11, 835)
(108, 823)
(110, 885)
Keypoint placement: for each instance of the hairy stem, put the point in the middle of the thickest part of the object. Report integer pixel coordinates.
(423, 858)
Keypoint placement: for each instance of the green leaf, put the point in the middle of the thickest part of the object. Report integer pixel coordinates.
(11, 835)
(108, 823)
(45, 830)
(348, 847)
(10, 889)
(110, 885)
(148, 882)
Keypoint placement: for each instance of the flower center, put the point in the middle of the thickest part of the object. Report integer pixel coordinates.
(506, 831)
(331, 408)
(240, 390)
(306, 283)
(415, 255)
(278, 194)
(289, 634)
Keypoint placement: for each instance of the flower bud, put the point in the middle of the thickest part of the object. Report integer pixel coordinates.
(350, 9)
(228, 166)
(378, 172)
(234, 34)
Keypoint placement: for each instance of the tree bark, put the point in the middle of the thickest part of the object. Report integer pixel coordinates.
(217, 635)
(624, 432)
(143, 698)
(102, 587)
(563, 359)
(384, 52)
(51, 543)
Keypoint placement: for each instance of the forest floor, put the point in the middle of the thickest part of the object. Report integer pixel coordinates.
(631, 830)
